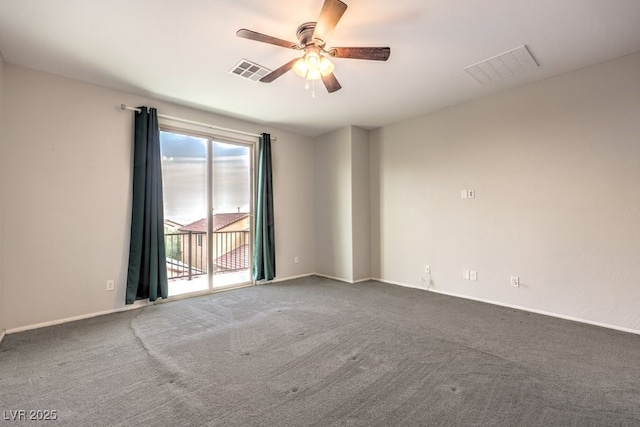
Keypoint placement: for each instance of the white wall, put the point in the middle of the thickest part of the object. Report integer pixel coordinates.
(293, 179)
(555, 168)
(2, 196)
(68, 155)
(333, 225)
(342, 226)
(375, 177)
(554, 165)
(360, 202)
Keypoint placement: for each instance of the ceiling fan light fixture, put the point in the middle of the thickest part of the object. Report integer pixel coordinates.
(326, 67)
(313, 75)
(313, 66)
(300, 68)
(312, 37)
(312, 58)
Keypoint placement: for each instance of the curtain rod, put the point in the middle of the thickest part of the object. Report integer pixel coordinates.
(178, 119)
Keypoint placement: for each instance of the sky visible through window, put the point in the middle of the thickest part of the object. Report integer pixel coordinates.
(184, 177)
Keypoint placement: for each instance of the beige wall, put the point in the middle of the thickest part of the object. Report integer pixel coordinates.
(2, 197)
(343, 204)
(333, 195)
(68, 158)
(374, 202)
(293, 177)
(360, 204)
(555, 166)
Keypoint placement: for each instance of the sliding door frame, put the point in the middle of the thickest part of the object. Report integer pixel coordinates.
(217, 136)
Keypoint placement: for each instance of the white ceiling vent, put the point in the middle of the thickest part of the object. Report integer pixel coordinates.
(506, 64)
(250, 70)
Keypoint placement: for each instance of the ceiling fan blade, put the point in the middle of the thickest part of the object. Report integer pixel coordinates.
(372, 53)
(278, 72)
(331, 83)
(252, 35)
(332, 11)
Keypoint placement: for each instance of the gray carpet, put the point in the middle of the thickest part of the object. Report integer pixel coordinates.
(315, 352)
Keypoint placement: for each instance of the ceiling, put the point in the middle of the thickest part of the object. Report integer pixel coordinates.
(183, 51)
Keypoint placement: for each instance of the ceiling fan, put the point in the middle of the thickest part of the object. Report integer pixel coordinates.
(315, 63)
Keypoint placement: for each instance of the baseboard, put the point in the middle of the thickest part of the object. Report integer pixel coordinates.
(404, 285)
(2, 334)
(284, 279)
(339, 279)
(134, 306)
(516, 307)
(301, 276)
(368, 279)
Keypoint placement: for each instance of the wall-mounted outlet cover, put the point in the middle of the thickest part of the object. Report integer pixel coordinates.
(515, 281)
(465, 274)
(473, 275)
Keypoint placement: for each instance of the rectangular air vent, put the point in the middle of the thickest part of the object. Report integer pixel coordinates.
(250, 70)
(506, 64)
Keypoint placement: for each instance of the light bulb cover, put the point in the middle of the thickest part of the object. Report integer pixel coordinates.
(313, 66)
(312, 58)
(314, 74)
(326, 67)
(300, 68)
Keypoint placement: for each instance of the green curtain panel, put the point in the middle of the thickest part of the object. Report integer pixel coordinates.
(147, 274)
(264, 255)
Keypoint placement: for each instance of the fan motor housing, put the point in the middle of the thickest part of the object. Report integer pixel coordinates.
(305, 33)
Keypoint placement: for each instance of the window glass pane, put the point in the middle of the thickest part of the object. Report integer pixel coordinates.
(184, 162)
(231, 178)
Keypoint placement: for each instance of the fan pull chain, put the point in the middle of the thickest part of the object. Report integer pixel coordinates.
(313, 87)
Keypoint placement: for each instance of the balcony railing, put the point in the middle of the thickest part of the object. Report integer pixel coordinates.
(186, 253)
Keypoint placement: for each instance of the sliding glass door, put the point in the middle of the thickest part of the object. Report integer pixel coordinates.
(208, 204)
(231, 214)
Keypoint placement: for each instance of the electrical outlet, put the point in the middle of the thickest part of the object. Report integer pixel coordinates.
(464, 194)
(473, 275)
(515, 281)
(427, 269)
(111, 285)
(472, 194)
(295, 260)
(465, 274)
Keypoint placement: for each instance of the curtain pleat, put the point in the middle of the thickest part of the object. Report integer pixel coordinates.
(264, 256)
(147, 273)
